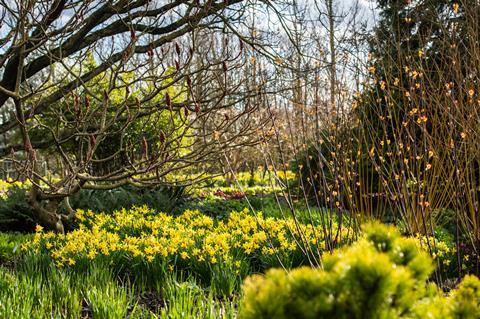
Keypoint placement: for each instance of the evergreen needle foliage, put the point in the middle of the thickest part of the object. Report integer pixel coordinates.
(383, 275)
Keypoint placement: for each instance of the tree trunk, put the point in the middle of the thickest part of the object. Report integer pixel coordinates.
(46, 215)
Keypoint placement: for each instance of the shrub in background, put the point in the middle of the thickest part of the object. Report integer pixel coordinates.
(161, 198)
(15, 213)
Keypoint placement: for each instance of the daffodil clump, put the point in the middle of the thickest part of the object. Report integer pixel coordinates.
(191, 240)
(449, 256)
(260, 177)
(439, 250)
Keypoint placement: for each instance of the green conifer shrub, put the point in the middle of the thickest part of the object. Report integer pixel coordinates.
(383, 275)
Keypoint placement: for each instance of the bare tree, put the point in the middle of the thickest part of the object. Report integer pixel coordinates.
(120, 92)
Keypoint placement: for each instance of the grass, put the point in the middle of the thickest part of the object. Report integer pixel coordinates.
(37, 289)
(33, 286)
(10, 246)
(124, 278)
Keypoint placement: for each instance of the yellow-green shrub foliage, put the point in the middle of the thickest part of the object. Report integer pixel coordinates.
(381, 276)
(466, 299)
